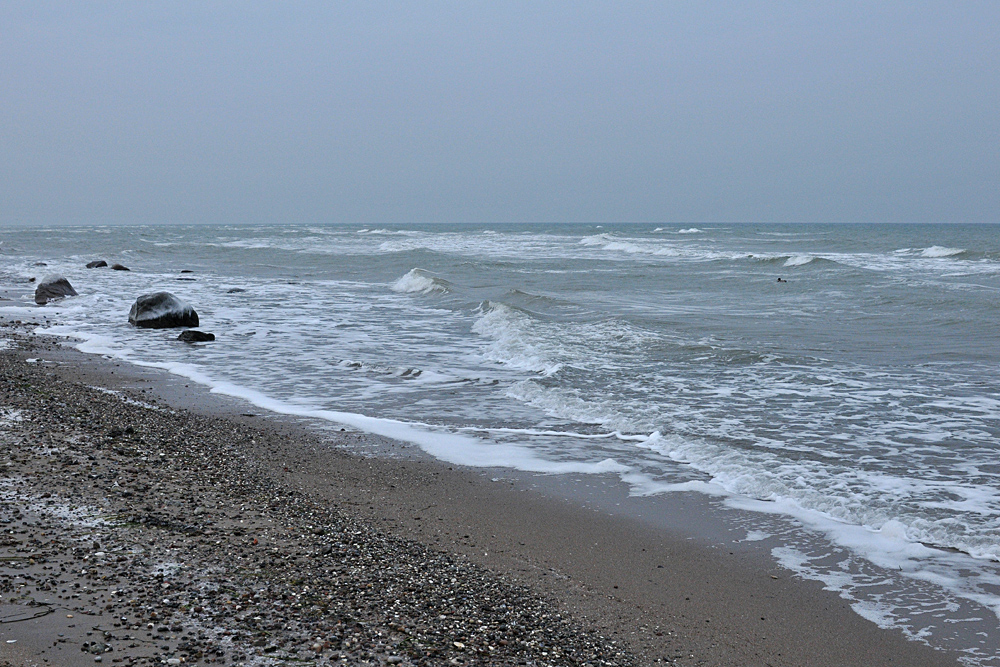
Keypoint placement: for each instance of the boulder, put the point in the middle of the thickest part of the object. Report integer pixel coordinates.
(51, 288)
(160, 311)
(119, 267)
(195, 336)
(96, 264)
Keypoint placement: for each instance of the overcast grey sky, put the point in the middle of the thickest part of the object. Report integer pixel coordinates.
(395, 112)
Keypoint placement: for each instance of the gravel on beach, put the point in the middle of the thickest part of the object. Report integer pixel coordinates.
(134, 533)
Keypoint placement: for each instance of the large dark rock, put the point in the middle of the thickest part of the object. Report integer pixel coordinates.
(96, 264)
(51, 288)
(195, 336)
(119, 267)
(160, 311)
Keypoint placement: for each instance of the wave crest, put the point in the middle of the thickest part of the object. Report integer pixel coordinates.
(941, 251)
(419, 281)
(515, 343)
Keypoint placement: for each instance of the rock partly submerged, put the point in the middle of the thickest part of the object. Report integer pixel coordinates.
(119, 267)
(97, 264)
(52, 288)
(195, 336)
(161, 310)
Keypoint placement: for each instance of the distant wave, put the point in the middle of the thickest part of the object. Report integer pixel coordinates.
(383, 232)
(419, 281)
(690, 230)
(596, 239)
(791, 260)
(941, 251)
(630, 246)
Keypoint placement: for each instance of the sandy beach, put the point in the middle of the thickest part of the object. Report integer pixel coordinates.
(146, 522)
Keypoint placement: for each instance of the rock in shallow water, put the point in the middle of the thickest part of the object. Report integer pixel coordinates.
(119, 267)
(96, 264)
(160, 311)
(194, 336)
(51, 288)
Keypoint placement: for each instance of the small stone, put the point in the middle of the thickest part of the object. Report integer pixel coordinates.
(195, 336)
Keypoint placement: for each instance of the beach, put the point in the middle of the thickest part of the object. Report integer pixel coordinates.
(146, 520)
(479, 334)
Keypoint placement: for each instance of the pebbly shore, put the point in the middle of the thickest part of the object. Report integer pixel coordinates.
(134, 533)
(146, 521)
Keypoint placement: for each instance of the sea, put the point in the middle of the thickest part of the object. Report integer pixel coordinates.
(839, 382)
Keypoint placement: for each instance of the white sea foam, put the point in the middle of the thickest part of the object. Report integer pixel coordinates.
(597, 239)
(690, 230)
(910, 587)
(854, 497)
(389, 232)
(407, 373)
(446, 446)
(799, 260)
(611, 243)
(515, 344)
(567, 404)
(755, 536)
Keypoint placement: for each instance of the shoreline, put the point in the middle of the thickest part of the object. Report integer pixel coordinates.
(658, 593)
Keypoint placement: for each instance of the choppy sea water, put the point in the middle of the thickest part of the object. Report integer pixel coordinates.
(859, 395)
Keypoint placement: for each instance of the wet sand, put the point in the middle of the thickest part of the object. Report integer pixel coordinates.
(259, 538)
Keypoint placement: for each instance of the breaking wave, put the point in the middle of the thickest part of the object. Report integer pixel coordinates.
(419, 281)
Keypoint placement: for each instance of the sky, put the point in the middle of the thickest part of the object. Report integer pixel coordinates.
(464, 111)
